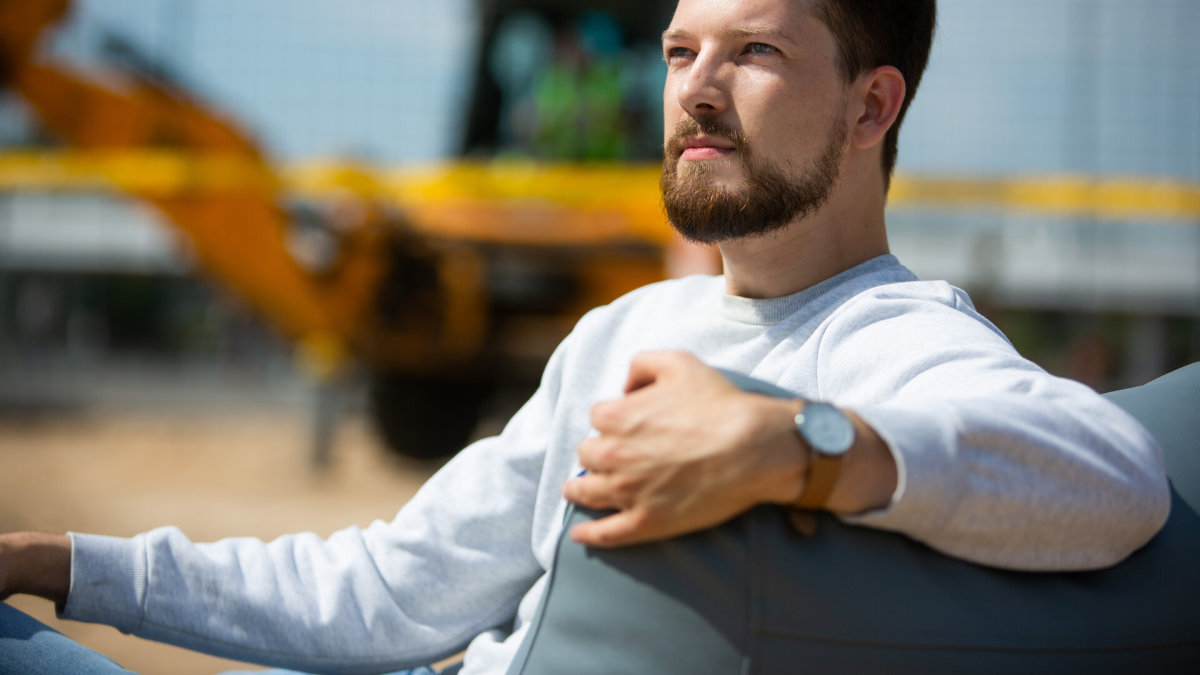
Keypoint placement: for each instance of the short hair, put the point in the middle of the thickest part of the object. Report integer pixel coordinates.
(873, 33)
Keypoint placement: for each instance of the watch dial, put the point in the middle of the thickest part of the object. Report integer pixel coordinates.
(827, 429)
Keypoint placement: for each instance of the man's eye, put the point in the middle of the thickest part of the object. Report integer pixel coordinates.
(677, 52)
(760, 48)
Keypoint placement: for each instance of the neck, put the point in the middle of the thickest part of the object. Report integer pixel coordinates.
(847, 231)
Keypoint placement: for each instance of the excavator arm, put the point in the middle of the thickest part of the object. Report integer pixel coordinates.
(206, 178)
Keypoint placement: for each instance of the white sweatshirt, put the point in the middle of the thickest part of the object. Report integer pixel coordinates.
(999, 463)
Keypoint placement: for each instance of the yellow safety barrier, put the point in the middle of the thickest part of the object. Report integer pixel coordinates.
(1128, 198)
(630, 189)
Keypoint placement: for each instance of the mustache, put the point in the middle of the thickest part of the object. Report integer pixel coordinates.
(711, 126)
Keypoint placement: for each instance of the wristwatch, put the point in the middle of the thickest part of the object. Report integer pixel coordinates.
(829, 434)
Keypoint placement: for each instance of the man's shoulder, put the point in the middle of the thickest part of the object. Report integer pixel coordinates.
(920, 295)
(935, 291)
(886, 280)
(919, 305)
(883, 287)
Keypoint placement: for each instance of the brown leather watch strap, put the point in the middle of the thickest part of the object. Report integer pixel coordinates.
(823, 471)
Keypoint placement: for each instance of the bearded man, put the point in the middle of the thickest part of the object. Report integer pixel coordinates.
(912, 412)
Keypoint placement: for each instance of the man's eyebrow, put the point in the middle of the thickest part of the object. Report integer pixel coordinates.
(679, 34)
(753, 32)
(673, 34)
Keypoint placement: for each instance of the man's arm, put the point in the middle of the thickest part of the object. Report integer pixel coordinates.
(981, 466)
(685, 450)
(35, 563)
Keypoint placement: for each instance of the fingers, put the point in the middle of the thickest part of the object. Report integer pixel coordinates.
(594, 491)
(649, 367)
(676, 375)
(610, 416)
(600, 454)
(620, 529)
(642, 461)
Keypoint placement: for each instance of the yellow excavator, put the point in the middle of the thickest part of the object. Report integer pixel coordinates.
(441, 281)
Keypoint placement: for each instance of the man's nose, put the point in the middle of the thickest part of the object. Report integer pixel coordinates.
(702, 90)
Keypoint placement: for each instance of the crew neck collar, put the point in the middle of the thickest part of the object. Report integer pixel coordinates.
(770, 311)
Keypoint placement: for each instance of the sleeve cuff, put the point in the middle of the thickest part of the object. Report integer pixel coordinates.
(929, 479)
(108, 581)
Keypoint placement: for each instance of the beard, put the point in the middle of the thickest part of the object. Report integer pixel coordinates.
(767, 199)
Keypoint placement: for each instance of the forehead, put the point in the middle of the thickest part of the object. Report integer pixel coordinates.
(695, 18)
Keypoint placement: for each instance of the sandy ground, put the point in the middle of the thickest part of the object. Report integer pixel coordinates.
(238, 468)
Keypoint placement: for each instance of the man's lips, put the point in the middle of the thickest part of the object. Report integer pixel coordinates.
(706, 147)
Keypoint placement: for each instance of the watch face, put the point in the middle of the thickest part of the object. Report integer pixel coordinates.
(825, 428)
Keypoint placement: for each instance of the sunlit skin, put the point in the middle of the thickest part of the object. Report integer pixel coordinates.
(684, 450)
(744, 63)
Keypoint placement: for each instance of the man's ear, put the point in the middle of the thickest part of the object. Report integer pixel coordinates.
(879, 95)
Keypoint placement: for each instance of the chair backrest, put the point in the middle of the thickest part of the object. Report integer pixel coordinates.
(752, 596)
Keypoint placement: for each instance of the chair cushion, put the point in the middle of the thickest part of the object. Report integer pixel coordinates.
(754, 596)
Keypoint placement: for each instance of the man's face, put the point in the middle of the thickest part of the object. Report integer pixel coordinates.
(754, 113)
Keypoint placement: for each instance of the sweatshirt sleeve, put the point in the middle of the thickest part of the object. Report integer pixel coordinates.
(999, 462)
(454, 562)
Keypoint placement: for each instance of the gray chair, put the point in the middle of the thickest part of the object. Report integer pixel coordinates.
(752, 597)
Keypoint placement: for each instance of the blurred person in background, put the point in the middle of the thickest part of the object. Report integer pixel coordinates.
(781, 122)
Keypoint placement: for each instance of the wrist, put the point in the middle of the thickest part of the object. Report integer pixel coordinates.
(789, 466)
(869, 475)
(848, 469)
(829, 435)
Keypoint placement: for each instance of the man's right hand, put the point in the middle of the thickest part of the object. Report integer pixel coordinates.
(35, 563)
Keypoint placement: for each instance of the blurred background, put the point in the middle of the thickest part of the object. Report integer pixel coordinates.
(263, 265)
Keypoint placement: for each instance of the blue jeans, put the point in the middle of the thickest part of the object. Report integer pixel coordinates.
(30, 646)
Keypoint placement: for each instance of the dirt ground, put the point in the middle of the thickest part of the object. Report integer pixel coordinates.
(213, 470)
